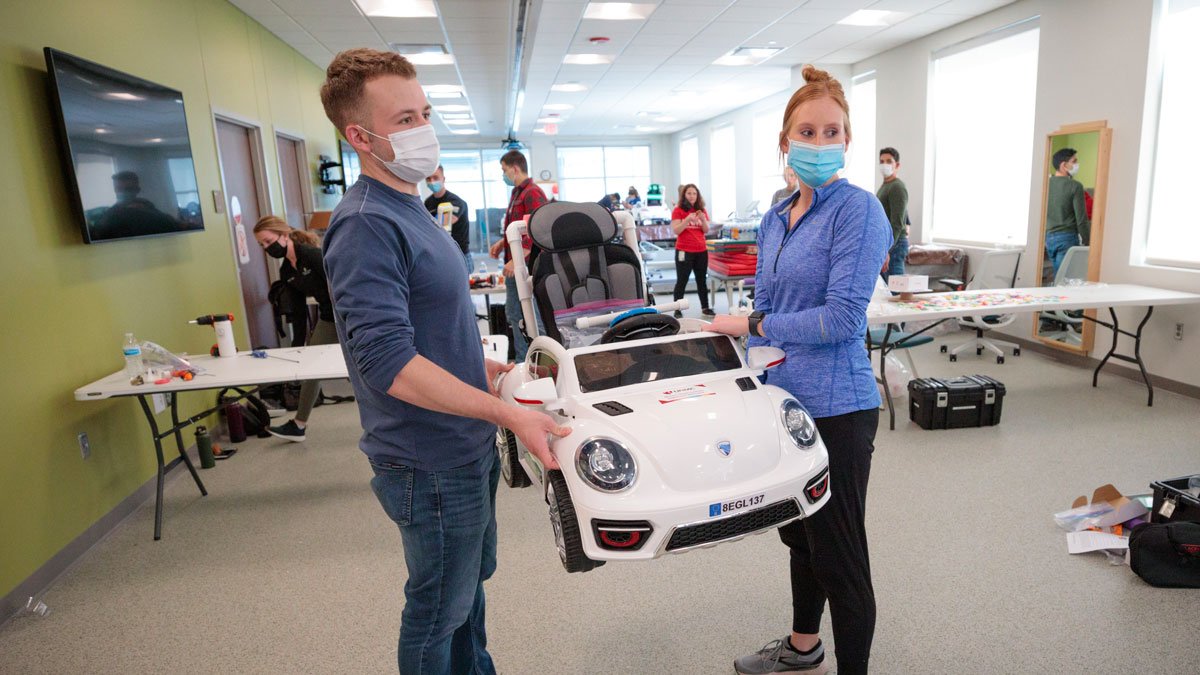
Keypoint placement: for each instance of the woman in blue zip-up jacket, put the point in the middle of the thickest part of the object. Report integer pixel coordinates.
(819, 253)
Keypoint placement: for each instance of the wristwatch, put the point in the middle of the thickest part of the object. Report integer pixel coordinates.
(755, 319)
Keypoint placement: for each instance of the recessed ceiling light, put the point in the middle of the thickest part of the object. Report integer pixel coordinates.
(867, 17)
(408, 9)
(443, 88)
(464, 132)
(154, 140)
(618, 11)
(665, 119)
(125, 96)
(558, 106)
(587, 59)
(644, 128)
(550, 120)
(569, 87)
(456, 116)
(428, 54)
(443, 95)
(452, 108)
(102, 130)
(747, 56)
(430, 59)
(459, 122)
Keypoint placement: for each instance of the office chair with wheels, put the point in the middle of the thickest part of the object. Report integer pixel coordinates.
(1074, 266)
(997, 270)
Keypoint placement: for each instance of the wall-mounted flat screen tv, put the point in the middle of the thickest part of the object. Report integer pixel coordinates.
(128, 157)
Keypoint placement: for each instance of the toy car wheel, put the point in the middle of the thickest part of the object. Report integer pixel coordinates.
(510, 469)
(566, 526)
(943, 349)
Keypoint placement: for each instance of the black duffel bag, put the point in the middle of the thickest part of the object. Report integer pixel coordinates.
(1166, 555)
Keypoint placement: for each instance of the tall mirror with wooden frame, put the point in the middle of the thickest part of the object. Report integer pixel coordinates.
(1074, 191)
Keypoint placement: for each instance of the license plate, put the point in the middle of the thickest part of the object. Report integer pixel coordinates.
(722, 508)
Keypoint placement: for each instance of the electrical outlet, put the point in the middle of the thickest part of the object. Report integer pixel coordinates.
(160, 402)
(85, 448)
(1179, 331)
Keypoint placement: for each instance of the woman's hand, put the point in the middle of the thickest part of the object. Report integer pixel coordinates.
(735, 326)
(495, 249)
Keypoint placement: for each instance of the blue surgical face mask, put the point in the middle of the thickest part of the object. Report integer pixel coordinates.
(435, 187)
(815, 164)
(508, 181)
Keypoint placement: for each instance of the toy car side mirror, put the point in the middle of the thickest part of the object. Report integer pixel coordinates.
(539, 392)
(763, 358)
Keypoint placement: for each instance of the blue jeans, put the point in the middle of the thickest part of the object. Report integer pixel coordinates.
(447, 523)
(896, 257)
(1057, 244)
(512, 312)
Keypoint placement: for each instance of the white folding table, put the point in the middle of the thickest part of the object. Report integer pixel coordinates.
(927, 307)
(321, 362)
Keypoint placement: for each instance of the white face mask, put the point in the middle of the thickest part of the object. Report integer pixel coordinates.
(1073, 170)
(886, 170)
(416, 153)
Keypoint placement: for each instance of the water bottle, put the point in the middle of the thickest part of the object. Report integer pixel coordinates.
(133, 357)
(483, 267)
(204, 448)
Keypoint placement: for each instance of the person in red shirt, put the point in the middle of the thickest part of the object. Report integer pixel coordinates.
(689, 220)
(526, 198)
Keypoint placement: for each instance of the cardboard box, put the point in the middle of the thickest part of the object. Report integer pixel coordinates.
(908, 283)
(1123, 508)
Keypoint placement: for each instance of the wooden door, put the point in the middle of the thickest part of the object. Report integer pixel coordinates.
(291, 159)
(237, 150)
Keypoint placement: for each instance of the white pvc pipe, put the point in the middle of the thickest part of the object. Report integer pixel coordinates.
(521, 277)
(599, 320)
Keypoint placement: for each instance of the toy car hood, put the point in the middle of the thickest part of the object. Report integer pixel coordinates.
(701, 434)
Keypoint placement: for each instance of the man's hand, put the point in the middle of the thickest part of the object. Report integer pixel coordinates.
(736, 326)
(508, 269)
(494, 249)
(531, 428)
(494, 368)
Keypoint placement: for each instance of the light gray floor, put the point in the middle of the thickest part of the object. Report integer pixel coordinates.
(290, 566)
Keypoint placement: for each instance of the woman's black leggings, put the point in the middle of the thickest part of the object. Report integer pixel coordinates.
(829, 558)
(685, 263)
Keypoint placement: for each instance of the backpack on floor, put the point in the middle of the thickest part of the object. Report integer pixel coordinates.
(1166, 555)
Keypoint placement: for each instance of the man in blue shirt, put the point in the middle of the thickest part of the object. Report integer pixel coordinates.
(407, 328)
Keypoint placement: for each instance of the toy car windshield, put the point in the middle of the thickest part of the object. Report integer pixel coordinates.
(651, 362)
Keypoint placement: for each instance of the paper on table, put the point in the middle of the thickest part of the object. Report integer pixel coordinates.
(1087, 541)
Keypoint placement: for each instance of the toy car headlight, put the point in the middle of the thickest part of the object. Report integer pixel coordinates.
(605, 464)
(798, 423)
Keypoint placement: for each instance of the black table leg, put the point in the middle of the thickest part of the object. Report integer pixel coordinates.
(1117, 331)
(179, 443)
(883, 352)
(158, 499)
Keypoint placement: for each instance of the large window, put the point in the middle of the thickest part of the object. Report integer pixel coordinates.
(689, 164)
(768, 167)
(983, 142)
(475, 176)
(863, 158)
(587, 174)
(1173, 237)
(722, 197)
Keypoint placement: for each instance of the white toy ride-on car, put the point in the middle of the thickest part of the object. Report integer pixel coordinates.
(674, 442)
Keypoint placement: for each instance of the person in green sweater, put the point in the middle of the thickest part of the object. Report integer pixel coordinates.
(1067, 222)
(894, 196)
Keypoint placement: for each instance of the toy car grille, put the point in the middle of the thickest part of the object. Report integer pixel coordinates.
(728, 528)
(612, 408)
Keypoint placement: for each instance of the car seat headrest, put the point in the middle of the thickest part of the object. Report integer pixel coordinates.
(562, 226)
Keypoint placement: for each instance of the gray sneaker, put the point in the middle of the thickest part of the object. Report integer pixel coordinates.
(776, 657)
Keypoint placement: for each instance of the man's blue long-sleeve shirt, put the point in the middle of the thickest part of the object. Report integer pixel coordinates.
(399, 288)
(814, 284)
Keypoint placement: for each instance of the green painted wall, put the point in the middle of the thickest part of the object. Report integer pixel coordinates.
(1088, 147)
(67, 305)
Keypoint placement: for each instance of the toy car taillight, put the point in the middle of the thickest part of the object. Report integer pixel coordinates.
(621, 535)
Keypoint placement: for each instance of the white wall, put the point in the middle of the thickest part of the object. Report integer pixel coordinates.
(1092, 65)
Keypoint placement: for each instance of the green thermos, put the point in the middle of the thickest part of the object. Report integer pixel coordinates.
(204, 447)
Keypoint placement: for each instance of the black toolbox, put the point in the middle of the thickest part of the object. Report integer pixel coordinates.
(1173, 503)
(957, 403)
